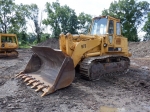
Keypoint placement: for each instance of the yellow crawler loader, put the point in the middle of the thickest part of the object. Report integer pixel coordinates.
(103, 51)
(8, 44)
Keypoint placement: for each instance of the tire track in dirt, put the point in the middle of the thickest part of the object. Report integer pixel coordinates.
(130, 91)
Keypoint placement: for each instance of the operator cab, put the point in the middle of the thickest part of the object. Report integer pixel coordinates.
(106, 25)
(8, 41)
(99, 26)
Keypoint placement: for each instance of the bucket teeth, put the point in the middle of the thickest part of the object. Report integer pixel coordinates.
(40, 87)
(25, 76)
(17, 75)
(35, 84)
(45, 90)
(31, 81)
(20, 75)
(27, 79)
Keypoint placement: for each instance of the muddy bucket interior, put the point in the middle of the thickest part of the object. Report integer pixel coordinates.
(48, 70)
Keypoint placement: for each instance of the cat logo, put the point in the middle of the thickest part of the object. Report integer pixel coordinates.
(83, 46)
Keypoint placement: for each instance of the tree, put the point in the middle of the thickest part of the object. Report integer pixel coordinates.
(131, 14)
(84, 22)
(13, 17)
(34, 16)
(146, 28)
(60, 19)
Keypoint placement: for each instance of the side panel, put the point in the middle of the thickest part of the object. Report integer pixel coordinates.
(116, 43)
(82, 47)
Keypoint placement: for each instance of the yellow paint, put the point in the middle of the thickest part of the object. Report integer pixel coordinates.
(9, 45)
(6, 45)
(81, 46)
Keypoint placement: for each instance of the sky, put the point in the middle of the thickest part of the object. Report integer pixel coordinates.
(92, 7)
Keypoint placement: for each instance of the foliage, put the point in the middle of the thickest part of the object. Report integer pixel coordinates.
(25, 46)
(34, 16)
(13, 17)
(44, 36)
(146, 37)
(146, 28)
(60, 18)
(84, 22)
(131, 14)
(64, 19)
(22, 37)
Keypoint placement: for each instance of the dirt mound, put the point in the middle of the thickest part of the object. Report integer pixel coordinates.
(129, 91)
(51, 42)
(140, 49)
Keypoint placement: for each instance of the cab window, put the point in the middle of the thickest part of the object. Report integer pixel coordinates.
(111, 27)
(118, 29)
(99, 26)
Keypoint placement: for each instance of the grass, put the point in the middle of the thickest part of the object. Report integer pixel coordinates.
(25, 46)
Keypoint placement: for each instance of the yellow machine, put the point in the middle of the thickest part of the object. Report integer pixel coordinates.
(103, 51)
(8, 44)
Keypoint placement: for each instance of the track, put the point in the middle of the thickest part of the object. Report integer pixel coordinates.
(9, 54)
(126, 91)
(93, 68)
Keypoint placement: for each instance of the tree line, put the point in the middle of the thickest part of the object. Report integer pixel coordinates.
(15, 18)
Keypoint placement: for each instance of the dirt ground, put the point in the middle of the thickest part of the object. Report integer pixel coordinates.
(130, 91)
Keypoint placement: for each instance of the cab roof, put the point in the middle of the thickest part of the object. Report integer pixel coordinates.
(109, 17)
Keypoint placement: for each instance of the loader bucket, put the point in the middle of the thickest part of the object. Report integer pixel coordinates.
(48, 70)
